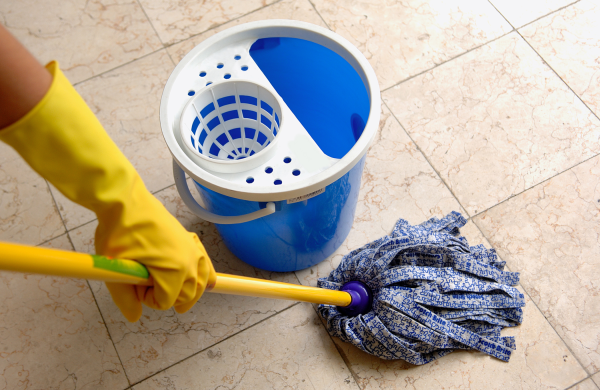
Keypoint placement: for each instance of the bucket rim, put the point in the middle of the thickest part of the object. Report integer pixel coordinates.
(266, 29)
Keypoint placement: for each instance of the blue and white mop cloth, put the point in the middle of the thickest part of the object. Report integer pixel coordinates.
(432, 294)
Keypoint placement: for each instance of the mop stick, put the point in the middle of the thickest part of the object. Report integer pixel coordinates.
(27, 259)
(417, 294)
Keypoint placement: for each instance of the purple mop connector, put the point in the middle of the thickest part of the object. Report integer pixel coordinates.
(362, 299)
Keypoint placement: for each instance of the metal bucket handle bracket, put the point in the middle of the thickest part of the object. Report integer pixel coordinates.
(206, 215)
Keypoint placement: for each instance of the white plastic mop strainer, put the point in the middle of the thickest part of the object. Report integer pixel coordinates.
(229, 129)
(230, 122)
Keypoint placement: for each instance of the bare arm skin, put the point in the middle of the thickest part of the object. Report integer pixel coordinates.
(23, 80)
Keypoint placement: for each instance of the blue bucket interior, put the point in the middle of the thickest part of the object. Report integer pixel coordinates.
(321, 88)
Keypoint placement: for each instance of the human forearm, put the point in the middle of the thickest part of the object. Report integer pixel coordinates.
(23, 80)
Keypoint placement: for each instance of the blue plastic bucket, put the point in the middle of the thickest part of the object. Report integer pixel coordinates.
(297, 235)
(286, 201)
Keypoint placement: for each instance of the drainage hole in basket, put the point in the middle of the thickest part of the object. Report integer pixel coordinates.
(202, 74)
(277, 182)
(249, 179)
(296, 172)
(268, 169)
(238, 57)
(287, 160)
(244, 68)
(227, 76)
(220, 66)
(191, 93)
(209, 83)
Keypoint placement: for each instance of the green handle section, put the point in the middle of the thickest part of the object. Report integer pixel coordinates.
(126, 267)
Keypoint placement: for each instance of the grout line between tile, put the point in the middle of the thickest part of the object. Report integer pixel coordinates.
(537, 307)
(109, 335)
(540, 56)
(118, 67)
(428, 162)
(156, 32)
(557, 75)
(448, 60)
(534, 20)
(339, 351)
(163, 189)
(151, 24)
(171, 58)
(554, 329)
(297, 278)
(575, 384)
(222, 24)
(58, 211)
(53, 238)
(217, 343)
(535, 185)
(318, 13)
(80, 226)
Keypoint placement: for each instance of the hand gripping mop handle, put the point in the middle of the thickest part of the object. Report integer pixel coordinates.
(22, 258)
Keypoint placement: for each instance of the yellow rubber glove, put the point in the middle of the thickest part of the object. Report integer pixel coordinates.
(62, 140)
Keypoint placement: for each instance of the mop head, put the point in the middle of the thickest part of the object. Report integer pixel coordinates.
(431, 294)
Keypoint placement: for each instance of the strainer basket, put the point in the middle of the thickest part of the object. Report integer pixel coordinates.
(230, 121)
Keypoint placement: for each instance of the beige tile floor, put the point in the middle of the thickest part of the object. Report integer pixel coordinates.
(490, 108)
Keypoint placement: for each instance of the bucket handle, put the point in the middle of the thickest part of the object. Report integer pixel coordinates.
(206, 215)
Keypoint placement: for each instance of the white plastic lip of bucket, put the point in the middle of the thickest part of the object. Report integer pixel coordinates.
(218, 52)
(237, 126)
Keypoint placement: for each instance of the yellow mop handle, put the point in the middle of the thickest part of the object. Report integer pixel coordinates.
(22, 258)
